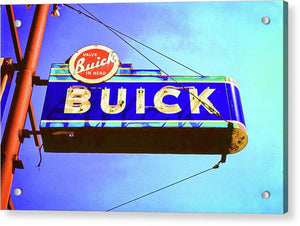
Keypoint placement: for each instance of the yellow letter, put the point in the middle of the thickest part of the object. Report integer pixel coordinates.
(113, 109)
(140, 101)
(77, 100)
(166, 108)
(195, 103)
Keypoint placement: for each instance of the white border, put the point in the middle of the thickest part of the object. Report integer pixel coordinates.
(38, 218)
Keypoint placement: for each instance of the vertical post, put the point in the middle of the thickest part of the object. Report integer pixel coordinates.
(14, 33)
(18, 52)
(17, 115)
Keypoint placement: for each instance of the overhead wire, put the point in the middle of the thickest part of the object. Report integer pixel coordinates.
(162, 188)
(133, 39)
(117, 33)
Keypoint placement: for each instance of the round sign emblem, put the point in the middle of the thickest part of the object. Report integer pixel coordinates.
(94, 64)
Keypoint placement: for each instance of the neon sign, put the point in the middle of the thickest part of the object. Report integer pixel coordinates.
(144, 111)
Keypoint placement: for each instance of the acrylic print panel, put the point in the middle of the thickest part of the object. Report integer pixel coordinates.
(245, 41)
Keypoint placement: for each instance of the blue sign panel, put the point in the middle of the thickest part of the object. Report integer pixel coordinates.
(141, 99)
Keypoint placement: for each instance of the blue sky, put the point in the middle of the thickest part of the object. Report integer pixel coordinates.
(214, 38)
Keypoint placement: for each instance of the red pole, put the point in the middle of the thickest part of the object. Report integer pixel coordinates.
(21, 99)
(18, 52)
(14, 33)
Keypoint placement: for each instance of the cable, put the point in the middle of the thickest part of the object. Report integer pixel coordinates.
(116, 32)
(216, 166)
(150, 193)
(93, 17)
(40, 153)
(133, 39)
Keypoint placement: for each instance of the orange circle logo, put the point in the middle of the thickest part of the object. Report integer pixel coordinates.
(94, 64)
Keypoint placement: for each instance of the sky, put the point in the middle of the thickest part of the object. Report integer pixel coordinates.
(213, 38)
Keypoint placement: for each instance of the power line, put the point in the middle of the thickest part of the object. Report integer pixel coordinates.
(223, 160)
(114, 31)
(131, 38)
(117, 33)
(170, 185)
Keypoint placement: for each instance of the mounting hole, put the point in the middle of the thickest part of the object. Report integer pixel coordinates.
(265, 195)
(18, 192)
(71, 135)
(18, 23)
(265, 20)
